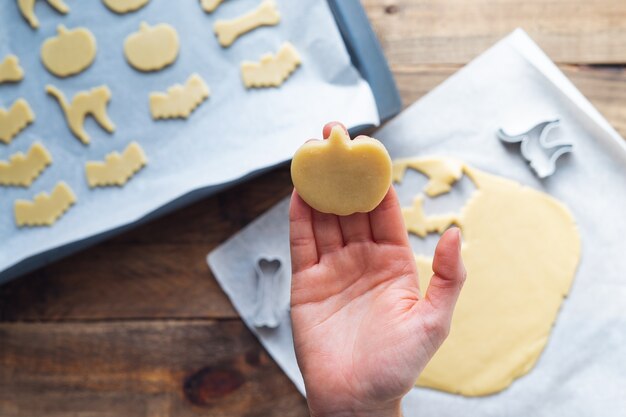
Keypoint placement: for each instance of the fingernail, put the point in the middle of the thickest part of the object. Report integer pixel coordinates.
(459, 237)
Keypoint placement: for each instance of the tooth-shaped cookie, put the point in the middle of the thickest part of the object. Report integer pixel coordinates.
(10, 70)
(15, 120)
(22, 170)
(46, 208)
(116, 169)
(179, 100)
(272, 70)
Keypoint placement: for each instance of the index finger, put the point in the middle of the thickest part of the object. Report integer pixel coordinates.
(387, 222)
(301, 237)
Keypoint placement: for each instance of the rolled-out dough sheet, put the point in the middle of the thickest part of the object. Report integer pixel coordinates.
(521, 249)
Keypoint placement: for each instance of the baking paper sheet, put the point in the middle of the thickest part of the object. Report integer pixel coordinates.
(582, 371)
(232, 134)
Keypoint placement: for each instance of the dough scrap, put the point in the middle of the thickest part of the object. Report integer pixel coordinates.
(116, 169)
(152, 48)
(27, 8)
(418, 223)
(92, 102)
(441, 173)
(22, 170)
(228, 31)
(209, 6)
(521, 249)
(10, 70)
(342, 176)
(272, 70)
(69, 53)
(179, 100)
(125, 6)
(46, 208)
(15, 120)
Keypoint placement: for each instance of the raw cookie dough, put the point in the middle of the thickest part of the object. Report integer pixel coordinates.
(441, 173)
(69, 53)
(342, 176)
(152, 47)
(418, 223)
(45, 209)
(210, 5)
(10, 70)
(92, 102)
(228, 31)
(27, 8)
(125, 6)
(272, 70)
(179, 101)
(15, 120)
(521, 249)
(22, 170)
(116, 169)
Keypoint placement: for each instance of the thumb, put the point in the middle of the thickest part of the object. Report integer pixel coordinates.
(449, 275)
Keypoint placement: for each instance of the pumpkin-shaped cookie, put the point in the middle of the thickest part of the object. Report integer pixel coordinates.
(69, 53)
(342, 176)
(152, 47)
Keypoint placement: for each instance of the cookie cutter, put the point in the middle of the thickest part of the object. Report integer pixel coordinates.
(536, 149)
(272, 298)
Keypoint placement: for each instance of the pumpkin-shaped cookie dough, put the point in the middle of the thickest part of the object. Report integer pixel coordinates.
(125, 6)
(342, 176)
(69, 53)
(152, 47)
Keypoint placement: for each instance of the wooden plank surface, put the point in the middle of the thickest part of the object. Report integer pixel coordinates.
(137, 326)
(417, 32)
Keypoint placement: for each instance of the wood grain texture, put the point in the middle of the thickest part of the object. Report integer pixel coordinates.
(165, 368)
(138, 326)
(415, 32)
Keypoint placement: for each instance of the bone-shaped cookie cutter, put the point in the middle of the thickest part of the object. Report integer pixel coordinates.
(536, 149)
(228, 31)
(270, 302)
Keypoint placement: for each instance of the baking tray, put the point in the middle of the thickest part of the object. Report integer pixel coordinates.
(366, 55)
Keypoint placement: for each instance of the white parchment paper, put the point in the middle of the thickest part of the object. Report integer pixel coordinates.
(236, 132)
(582, 371)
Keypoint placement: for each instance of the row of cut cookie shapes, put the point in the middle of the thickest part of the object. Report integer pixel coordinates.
(45, 209)
(152, 48)
(177, 102)
(27, 7)
(21, 170)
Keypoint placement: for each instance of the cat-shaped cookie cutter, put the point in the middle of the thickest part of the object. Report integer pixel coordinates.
(536, 149)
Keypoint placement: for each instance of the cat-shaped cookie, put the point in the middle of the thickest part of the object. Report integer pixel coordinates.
(92, 102)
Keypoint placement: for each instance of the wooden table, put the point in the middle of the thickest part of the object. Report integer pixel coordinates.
(137, 326)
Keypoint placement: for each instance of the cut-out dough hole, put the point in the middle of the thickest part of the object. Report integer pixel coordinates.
(152, 47)
(27, 8)
(519, 244)
(92, 102)
(228, 31)
(272, 70)
(15, 120)
(21, 170)
(46, 208)
(116, 169)
(69, 53)
(179, 100)
(125, 6)
(10, 70)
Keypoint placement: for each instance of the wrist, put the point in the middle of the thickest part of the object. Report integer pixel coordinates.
(386, 410)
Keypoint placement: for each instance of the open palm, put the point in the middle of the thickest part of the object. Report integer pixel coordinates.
(362, 330)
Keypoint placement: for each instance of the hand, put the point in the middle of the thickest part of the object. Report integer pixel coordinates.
(362, 330)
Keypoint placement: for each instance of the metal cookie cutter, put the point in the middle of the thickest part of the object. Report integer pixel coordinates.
(272, 297)
(536, 149)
